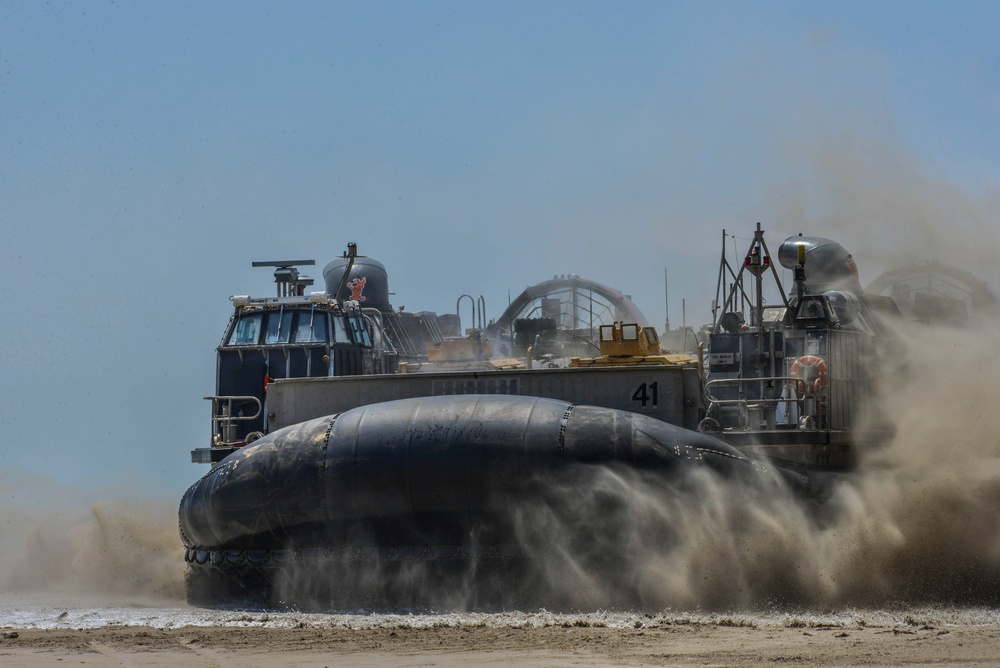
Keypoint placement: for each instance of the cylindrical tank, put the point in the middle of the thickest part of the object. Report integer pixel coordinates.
(367, 283)
(828, 264)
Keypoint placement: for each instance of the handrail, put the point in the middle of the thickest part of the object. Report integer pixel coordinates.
(761, 403)
(458, 311)
(741, 381)
(224, 425)
(226, 417)
(481, 312)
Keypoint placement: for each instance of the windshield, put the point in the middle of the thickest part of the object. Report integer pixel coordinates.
(311, 327)
(247, 330)
(279, 327)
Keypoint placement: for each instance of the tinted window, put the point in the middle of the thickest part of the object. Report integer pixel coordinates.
(247, 331)
(279, 327)
(358, 331)
(340, 329)
(311, 327)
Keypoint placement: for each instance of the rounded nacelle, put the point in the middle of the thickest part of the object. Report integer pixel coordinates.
(367, 284)
(828, 265)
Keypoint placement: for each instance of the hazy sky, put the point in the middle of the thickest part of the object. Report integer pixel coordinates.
(150, 151)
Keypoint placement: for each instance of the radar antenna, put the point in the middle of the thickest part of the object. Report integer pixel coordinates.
(290, 284)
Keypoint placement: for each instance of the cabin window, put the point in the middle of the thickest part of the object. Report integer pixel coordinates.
(340, 329)
(359, 333)
(630, 332)
(651, 335)
(311, 327)
(607, 332)
(279, 327)
(247, 331)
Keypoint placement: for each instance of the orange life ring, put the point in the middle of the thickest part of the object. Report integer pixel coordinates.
(810, 374)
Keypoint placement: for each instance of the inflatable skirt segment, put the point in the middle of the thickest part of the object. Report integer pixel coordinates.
(421, 471)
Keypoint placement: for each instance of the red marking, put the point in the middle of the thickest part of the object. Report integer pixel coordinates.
(357, 286)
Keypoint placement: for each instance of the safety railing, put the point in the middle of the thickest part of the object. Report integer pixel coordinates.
(223, 420)
(757, 411)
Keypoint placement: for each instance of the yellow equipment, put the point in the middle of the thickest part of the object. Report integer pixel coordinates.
(628, 344)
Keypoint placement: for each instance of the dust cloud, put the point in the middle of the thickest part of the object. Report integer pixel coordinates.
(884, 205)
(60, 541)
(917, 523)
(926, 505)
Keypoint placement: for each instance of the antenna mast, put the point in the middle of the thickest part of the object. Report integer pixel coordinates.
(287, 276)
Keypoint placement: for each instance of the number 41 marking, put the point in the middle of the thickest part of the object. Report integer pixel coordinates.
(645, 394)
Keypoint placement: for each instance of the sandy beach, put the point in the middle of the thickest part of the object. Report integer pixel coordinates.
(191, 637)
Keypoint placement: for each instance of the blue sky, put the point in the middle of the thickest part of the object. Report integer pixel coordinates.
(150, 151)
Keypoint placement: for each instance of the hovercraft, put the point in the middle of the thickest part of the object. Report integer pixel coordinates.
(353, 443)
